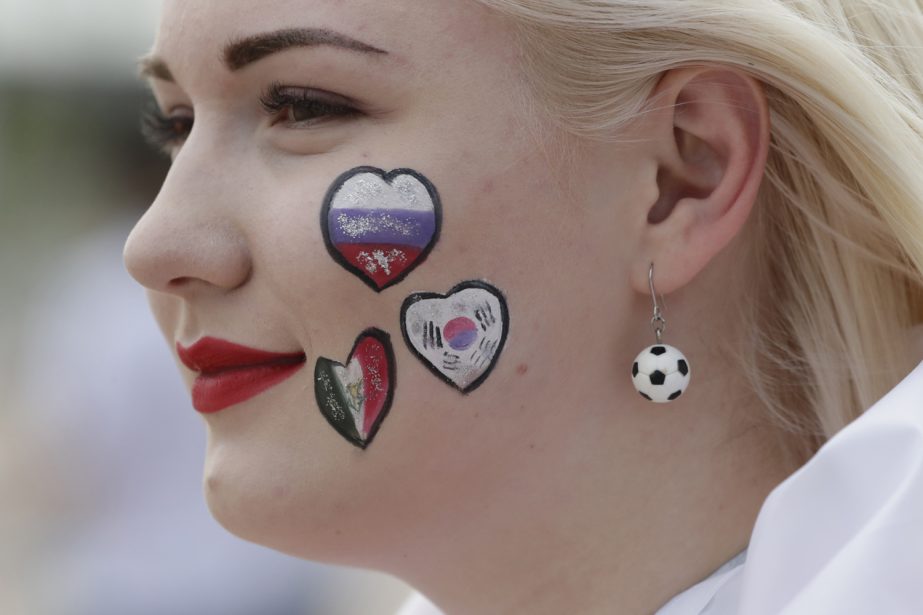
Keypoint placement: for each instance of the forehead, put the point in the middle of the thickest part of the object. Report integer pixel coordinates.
(411, 31)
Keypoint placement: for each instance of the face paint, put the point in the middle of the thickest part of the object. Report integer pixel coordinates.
(356, 397)
(458, 336)
(379, 225)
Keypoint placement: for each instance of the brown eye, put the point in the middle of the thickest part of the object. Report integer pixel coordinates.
(179, 127)
(165, 132)
(307, 110)
(305, 105)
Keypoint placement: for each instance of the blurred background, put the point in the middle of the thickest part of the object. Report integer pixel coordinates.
(101, 454)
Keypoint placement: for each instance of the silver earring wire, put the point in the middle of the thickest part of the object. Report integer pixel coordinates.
(658, 322)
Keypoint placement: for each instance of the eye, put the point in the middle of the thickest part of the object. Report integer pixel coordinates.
(301, 107)
(165, 132)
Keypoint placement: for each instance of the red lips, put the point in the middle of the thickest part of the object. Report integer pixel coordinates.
(230, 373)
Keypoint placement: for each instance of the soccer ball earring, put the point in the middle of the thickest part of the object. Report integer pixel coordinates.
(660, 372)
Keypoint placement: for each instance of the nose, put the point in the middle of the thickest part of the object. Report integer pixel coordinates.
(188, 240)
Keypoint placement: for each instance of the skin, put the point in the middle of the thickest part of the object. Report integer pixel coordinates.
(554, 487)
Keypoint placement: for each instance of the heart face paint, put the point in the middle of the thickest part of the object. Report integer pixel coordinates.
(380, 225)
(458, 336)
(356, 397)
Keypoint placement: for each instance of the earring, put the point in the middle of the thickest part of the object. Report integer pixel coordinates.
(660, 372)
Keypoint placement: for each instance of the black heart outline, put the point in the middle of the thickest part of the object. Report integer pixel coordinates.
(385, 341)
(387, 177)
(504, 318)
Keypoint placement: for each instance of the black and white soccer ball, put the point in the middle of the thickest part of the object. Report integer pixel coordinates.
(660, 373)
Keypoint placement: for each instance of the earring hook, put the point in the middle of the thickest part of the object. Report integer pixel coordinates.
(658, 318)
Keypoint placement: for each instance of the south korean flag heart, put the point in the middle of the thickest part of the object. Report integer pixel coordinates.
(459, 335)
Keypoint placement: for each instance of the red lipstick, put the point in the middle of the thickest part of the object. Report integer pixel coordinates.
(230, 373)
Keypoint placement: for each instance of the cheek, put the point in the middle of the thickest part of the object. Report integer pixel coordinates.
(517, 230)
(555, 257)
(287, 479)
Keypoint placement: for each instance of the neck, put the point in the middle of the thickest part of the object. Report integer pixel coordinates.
(565, 528)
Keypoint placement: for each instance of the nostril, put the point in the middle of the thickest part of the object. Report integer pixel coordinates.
(179, 282)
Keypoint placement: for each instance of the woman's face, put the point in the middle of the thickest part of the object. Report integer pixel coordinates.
(235, 247)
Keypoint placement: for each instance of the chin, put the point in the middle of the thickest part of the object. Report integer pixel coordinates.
(264, 496)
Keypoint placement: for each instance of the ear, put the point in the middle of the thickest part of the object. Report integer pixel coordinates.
(710, 128)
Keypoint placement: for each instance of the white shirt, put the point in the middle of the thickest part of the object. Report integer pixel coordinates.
(843, 535)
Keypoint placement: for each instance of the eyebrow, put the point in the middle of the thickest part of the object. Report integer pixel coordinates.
(153, 66)
(241, 52)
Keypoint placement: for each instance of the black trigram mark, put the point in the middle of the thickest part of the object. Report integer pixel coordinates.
(485, 316)
(432, 335)
(483, 353)
(450, 361)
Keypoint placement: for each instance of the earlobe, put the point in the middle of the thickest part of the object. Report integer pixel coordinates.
(713, 130)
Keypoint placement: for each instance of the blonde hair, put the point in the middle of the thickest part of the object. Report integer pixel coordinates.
(838, 229)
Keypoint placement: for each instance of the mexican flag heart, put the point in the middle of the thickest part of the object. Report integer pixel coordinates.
(355, 397)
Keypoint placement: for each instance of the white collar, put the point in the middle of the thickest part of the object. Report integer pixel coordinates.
(700, 599)
(843, 535)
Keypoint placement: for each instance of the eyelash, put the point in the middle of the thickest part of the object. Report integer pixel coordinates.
(166, 132)
(320, 103)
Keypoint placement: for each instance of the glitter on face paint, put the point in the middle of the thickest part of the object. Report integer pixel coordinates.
(380, 225)
(379, 259)
(358, 226)
(336, 411)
